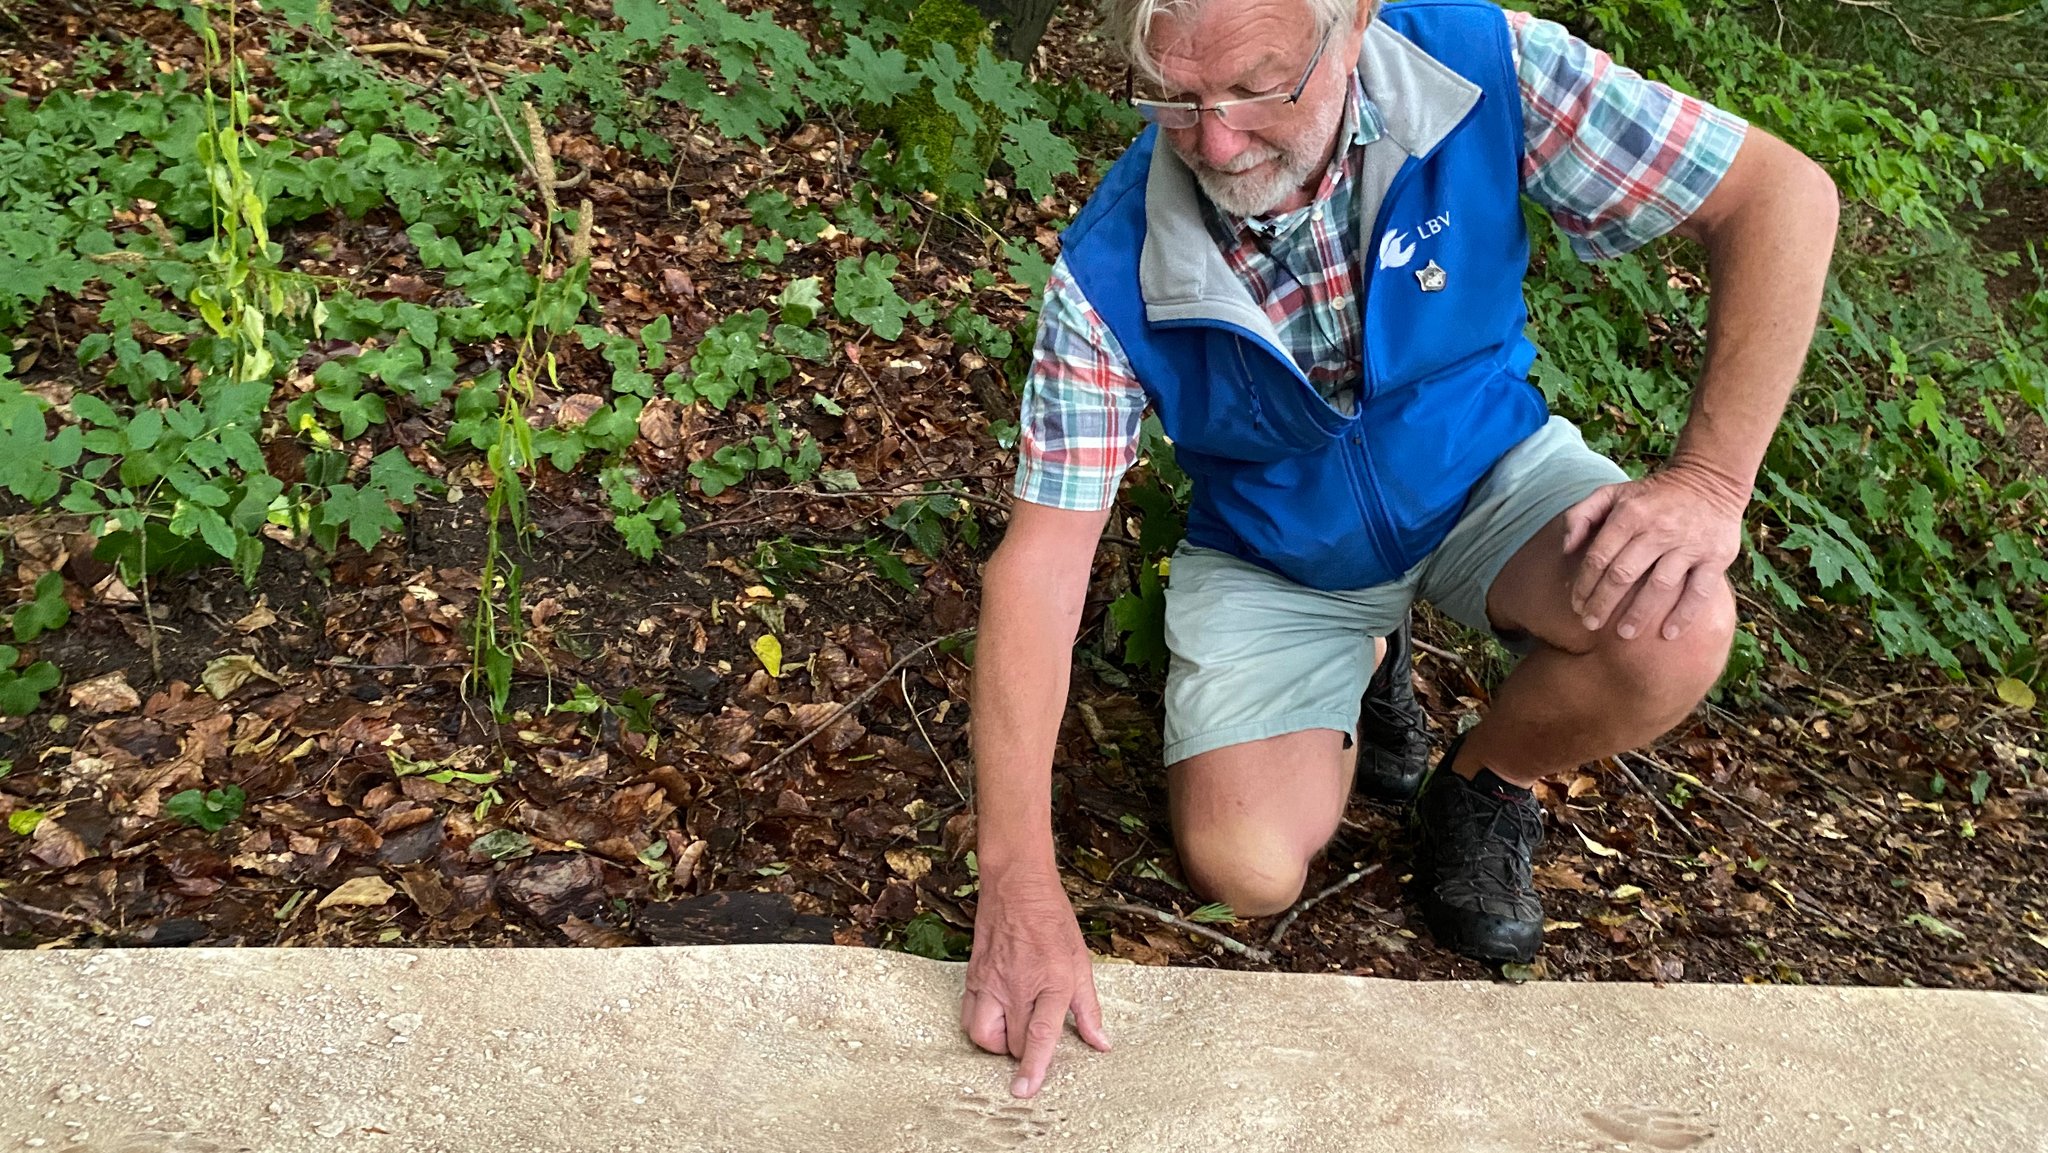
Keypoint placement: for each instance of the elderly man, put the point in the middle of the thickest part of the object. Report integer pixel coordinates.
(1316, 284)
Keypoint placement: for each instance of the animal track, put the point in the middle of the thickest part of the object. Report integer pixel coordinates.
(998, 1125)
(1651, 1127)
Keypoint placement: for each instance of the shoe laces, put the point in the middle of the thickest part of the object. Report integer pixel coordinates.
(1498, 831)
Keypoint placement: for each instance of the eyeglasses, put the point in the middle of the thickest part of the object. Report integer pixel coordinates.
(1247, 115)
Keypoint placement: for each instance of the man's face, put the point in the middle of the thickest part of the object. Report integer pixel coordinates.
(1231, 49)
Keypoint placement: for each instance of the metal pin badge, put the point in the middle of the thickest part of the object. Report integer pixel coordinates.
(1431, 277)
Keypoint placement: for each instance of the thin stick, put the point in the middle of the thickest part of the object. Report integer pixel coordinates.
(401, 48)
(1692, 781)
(873, 494)
(882, 410)
(1825, 783)
(1657, 801)
(1287, 922)
(91, 922)
(904, 681)
(1249, 952)
(1434, 651)
(511, 137)
(865, 696)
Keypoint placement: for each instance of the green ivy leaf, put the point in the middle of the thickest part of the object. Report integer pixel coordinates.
(397, 476)
(1037, 154)
(365, 512)
(863, 291)
(211, 811)
(801, 301)
(21, 692)
(878, 78)
(46, 613)
(646, 21)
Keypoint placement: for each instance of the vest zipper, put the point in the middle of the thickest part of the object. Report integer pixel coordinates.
(1372, 510)
(1364, 475)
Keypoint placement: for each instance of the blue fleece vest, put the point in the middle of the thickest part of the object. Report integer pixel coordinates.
(1349, 494)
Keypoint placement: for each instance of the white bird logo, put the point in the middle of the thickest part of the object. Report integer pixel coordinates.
(1394, 250)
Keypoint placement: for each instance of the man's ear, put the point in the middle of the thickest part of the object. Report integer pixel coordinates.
(1363, 17)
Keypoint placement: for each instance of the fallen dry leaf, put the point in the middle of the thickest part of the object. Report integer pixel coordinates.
(256, 618)
(591, 935)
(358, 891)
(108, 694)
(57, 846)
(224, 675)
(908, 863)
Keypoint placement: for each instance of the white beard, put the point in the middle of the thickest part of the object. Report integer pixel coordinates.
(1242, 193)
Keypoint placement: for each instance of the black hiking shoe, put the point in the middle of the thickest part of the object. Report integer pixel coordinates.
(1472, 864)
(1393, 749)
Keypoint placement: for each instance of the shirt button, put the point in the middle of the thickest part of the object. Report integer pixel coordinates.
(1315, 214)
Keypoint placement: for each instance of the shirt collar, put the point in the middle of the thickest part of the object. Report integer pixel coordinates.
(1362, 125)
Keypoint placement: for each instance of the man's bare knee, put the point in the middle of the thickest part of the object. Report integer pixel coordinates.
(1674, 675)
(1236, 872)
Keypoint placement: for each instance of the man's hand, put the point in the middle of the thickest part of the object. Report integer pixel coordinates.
(1667, 535)
(1029, 966)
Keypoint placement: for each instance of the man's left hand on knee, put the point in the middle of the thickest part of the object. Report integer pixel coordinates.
(1666, 538)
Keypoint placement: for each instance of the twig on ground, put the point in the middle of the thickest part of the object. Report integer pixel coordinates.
(1888, 695)
(404, 48)
(93, 923)
(903, 680)
(882, 410)
(1693, 782)
(1249, 952)
(1645, 790)
(865, 696)
(1287, 922)
(1821, 779)
(1434, 651)
(512, 137)
(403, 666)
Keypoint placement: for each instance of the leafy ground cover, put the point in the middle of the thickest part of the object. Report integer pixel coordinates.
(517, 473)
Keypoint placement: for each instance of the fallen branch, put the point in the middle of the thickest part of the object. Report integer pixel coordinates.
(1692, 782)
(1287, 921)
(404, 48)
(94, 923)
(1249, 952)
(1821, 779)
(1644, 789)
(865, 696)
(1434, 651)
(903, 679)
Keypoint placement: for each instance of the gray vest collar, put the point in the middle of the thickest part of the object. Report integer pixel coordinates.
(1181, 273)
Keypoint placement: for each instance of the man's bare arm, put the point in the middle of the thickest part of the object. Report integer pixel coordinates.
(1769, 230)
(1030, 964)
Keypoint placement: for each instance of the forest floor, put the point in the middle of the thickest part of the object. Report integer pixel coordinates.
(1855, 823)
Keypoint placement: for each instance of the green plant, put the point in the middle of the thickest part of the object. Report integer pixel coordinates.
(497, 620)
(732, 361)
(864, 291)
(1887, 487)
(45, 611)
(925, 935)
(212, 810)
(21, 690)
(640, 521)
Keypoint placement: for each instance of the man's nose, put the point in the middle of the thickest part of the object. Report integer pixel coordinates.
(1220, 143)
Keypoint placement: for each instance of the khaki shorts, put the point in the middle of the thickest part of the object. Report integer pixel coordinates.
(1255, 655)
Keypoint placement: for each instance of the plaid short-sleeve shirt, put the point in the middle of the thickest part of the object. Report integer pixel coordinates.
(1616, 159)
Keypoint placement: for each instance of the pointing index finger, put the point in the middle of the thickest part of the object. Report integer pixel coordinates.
(1041, 1036)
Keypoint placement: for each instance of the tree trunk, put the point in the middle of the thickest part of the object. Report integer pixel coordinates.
(1020, 24)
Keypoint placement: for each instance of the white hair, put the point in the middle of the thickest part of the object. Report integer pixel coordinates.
(1130, 21)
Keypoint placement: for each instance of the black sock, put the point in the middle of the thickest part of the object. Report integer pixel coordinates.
(1485, 781)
